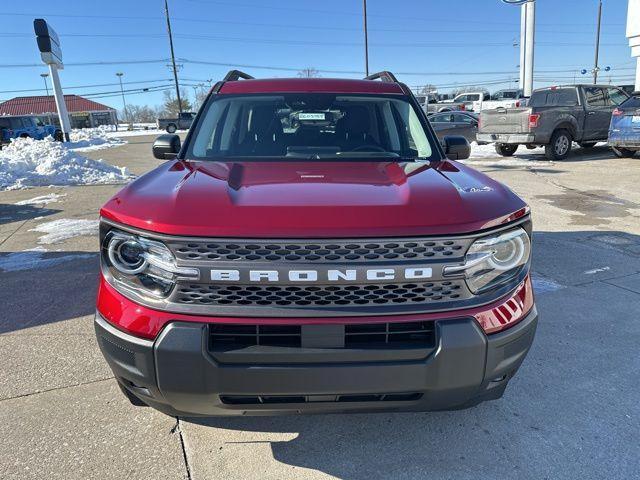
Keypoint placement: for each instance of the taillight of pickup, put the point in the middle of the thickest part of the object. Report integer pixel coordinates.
(305, 251)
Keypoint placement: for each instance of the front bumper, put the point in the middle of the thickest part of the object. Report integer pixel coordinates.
(517, 138)
(178, 375)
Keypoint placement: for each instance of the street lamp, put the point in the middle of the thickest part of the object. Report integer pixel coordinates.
(44, 77)
(124, 102)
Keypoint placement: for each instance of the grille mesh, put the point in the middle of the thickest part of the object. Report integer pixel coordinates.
(322, 296)
(240, 251)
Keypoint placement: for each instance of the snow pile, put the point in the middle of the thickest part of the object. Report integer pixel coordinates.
(35, 258)
(65, 228)
(123, 132)
(489, 151)
(85, 139)
(42, 199)
(30, 163)
(486, 155)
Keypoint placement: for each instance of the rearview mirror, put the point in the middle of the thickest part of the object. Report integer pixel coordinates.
(456, 147)
(166, 147)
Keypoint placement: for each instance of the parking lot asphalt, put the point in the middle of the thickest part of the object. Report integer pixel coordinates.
(571, 412)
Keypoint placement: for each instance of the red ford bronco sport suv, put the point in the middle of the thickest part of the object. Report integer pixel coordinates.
(311, 247)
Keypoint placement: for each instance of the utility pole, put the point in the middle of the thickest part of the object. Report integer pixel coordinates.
(173, 58)
(44, 77)
(595, 62)
(366, 39)
(124, 102)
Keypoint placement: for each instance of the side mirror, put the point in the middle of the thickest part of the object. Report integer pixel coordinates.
(166, 147)
(456, 147)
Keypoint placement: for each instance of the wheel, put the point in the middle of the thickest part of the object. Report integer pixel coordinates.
(587, 144)
(446, 109)
(623, 152)
(171, 128)
(131, 397)
(506, 150)
(560, 145)
(24, 135)
(57, 136)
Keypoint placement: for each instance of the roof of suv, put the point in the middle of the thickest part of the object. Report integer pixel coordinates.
(303, 85)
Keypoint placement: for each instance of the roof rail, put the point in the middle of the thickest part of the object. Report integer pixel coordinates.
(234, 75)
(385, 76)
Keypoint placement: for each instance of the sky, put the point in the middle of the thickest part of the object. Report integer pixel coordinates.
(447, 43)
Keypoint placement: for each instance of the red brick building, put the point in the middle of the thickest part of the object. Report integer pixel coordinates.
(82, 111)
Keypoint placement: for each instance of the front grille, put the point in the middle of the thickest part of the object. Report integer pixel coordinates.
(391, 335)
(284, 399)
(319, 296)
(320, 251)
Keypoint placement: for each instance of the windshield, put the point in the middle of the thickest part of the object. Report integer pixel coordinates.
(310, 126)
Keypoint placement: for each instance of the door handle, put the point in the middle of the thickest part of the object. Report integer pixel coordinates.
(591, 113)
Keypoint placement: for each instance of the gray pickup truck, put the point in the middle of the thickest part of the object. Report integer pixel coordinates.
(554, 118)
(182, 122)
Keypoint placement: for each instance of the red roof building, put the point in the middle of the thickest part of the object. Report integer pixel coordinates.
(82, 111)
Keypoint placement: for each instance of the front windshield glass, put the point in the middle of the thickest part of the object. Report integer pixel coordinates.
(310, 126)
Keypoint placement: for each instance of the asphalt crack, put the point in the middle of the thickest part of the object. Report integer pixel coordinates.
(56, 388)
(176, 429)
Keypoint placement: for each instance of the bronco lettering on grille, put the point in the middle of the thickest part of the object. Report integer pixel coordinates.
(328, 275)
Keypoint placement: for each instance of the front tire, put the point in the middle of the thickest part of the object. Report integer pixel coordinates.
(57, 136)
(506, 150)
(559, 147)
(623, 152)
(171, 128)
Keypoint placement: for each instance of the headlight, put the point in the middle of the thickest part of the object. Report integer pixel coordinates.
(140, 265)
(493, 261)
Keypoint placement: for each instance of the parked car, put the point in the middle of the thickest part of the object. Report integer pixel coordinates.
(624, 131)
(16, 126)
(554, 118)
(455, 123)
(309, 249)
(181, 122)
(506, 98)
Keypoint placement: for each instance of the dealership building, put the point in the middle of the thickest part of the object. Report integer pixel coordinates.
(83, 113)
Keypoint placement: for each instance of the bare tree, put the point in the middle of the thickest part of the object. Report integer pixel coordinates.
(141, 113)
(427, 89)
(200, 96)
(309, 72)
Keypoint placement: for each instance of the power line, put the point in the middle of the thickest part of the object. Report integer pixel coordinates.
(88, 86)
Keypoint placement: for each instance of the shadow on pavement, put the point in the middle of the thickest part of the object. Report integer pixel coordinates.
(40, 288)
(549, 424)
(16, 213)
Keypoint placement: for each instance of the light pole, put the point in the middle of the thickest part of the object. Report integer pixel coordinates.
(124, 102)
(366, 39)
(44, 77)
(596, 69)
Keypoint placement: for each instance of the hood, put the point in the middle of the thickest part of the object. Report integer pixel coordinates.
(313, 199)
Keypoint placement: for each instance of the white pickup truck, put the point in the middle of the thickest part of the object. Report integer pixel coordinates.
(464, 101)
(508, 98)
